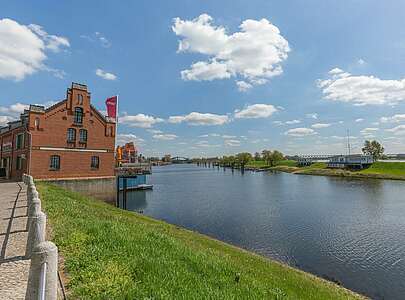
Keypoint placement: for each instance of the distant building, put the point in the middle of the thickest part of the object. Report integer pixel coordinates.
(127, 153)
(70, 139)
(354, 161)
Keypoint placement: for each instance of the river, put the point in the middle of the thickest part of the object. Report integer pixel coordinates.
(348, 230)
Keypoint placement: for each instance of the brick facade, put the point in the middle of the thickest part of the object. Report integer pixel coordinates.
(45, 134)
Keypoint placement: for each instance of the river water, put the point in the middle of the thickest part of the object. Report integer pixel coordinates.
(348, 230)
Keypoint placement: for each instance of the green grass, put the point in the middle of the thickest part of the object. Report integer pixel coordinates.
(113, 254)
(386, 168)
(378, 170)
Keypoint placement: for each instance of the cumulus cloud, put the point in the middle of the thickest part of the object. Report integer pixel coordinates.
(52, 42)
(393, 119)
(320, 125)
(368, 131)
(196, 119)
(232, 143)
(361, 90)
(123, 138)
(300, 132)
(165, 137)
(4, 120)
(139, 120)
(14, 109)
(255, 111)
(359, 120)
(398, 130)
(255, 53)
(23, 49)
(243, 86)
(105, 75)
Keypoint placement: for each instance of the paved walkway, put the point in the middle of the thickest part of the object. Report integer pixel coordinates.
(13, 238)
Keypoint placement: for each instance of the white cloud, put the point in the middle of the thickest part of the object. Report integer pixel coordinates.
(292, 122)
(243, 86)
(103, 40)
(300, 132)
(343, 137)
(394, 119)
(312, 116)
(226, 136)
(362, 90)
(208, 135)
(398, 130)
(140, 120)
(368, 131)
(154, 131)
(23, 49)
(196, 118)
(99, 37)
(52, 42)
(4, 120)
(206, 71)
(165, 137)
(14, 109)
(123, 138)
(359, 120)
(361, 61)
(320, 125)
(255, 53)
(232, 143)
(105, 75)
(255, 111)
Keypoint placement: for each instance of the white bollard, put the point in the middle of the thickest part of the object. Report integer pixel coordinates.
(43, 275)
(36, 232)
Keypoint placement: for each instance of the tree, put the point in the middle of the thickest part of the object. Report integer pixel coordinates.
(266, 154)
(243, 158)
(272, 157)
(373, 148)
(257, 156)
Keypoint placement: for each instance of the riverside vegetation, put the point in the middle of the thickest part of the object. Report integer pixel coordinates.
(379, 170)
(109, 253)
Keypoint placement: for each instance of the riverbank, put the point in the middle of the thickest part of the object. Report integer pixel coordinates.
(379, 170)
(114, 254)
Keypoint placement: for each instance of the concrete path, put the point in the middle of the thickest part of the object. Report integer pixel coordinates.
(14, 267)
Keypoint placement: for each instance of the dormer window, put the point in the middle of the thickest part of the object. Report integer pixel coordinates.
(78, 117)
(80, 99)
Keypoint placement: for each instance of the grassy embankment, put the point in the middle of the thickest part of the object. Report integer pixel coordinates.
(381, 170)
(114, 254)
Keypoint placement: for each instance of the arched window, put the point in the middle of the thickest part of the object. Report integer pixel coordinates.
(71, 135)
(83, 136)
(54, 162)
(78, 119)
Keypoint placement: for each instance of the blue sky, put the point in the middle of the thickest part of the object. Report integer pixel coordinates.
(226, 77)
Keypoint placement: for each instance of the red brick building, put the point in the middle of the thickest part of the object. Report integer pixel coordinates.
(70, 139)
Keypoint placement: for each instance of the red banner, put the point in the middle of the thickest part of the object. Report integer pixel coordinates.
(112, 106)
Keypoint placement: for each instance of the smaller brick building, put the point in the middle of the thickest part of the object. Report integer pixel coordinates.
(70, 139)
